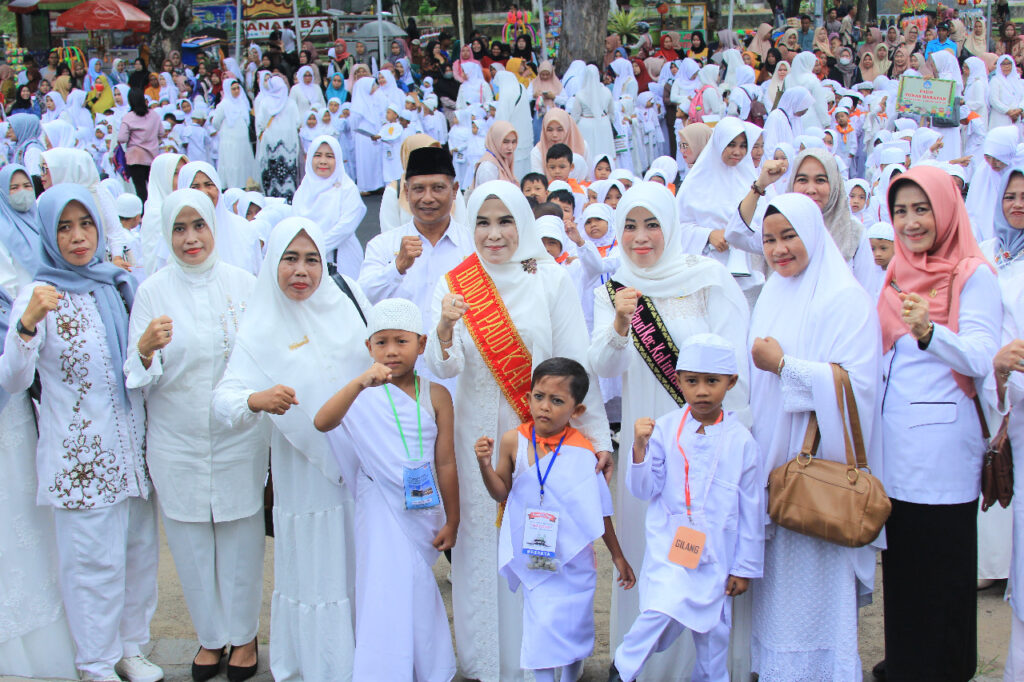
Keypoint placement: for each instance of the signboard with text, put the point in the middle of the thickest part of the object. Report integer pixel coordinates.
(926, 96)
(308, 26)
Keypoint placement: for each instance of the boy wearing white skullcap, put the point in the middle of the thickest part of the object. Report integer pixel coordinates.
(881, 236)
(698, 468)
(125, 245)
(396, 446)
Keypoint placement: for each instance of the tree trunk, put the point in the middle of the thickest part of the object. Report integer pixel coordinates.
(863, 10)
(584, 27)
(169, 20)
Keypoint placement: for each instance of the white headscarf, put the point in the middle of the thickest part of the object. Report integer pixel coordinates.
(572, 78)
(328, 201)
(601, 211)
(821, 315)
(675, 273)
(1012, 85)
(76, 166)
(590, 91)
(623, 74)
(983, 196)
(946, 67)
(60, 134)
(235, 109)
(236, 238)
(168, 90)
(173, 204)
(391, 90)
(312, 92)
(58, 106)
(312, 346)
(710, 174)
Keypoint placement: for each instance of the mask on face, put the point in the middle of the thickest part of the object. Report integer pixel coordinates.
(845, 61)
(449, 75)
(22, 200)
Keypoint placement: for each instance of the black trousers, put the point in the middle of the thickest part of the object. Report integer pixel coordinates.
(140, 178)
(929, 577)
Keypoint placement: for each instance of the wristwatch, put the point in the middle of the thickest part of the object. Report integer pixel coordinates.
(22, 330)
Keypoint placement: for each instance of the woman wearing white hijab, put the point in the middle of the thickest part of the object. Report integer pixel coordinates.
(724, 165)
(514, 107)
(475, 89)
(592, 110)
(328, 197)
(76, 166)
(572, 79)
(59, 133)
(306, 93)
(783, 123)
(685, 85)
(625, 82)
(389, 89)
(691, 295)
(367, 117)
(209, 478)
(75, 112)
(811, 312)
(712, 104)
(55, 99)
(773, 87)
(983, 196)
(1005, 94)
(238, 243)
(976, 100)
(301, 338)
(277, 146)
(543, 306)
(163, 179)
(235, 161)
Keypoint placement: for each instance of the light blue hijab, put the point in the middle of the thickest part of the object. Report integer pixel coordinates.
(112, 287)
(19, 231)
(1009, 241)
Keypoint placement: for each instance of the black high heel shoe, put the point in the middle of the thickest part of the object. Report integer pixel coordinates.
(237, 673)
(201, 673)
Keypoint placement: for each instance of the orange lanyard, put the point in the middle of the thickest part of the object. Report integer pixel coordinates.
(686, 460)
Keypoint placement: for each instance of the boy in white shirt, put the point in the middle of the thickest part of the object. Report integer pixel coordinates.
(556, 506)
(698, 468)
(397, 443)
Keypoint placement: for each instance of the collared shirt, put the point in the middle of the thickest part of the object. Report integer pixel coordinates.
(806, 39)
(935, 45)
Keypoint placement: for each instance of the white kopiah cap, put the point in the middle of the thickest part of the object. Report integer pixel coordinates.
(708, 354)
(395, 313)
(881, 231)
(128, 206)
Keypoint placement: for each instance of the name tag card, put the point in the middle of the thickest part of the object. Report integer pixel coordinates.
(420, 487)
(687, 547)
(540, 534)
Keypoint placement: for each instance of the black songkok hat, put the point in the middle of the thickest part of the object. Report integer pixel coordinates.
(429, 161)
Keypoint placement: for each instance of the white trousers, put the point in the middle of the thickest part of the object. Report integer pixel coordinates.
(653, 631)
(107, 561)
(220, 566)
(1014, 671)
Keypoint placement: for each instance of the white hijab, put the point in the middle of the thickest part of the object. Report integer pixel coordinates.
(710, 175)
(675, 273)
(173, 204)
(572, 78)
(76, 166)
(235, 109)
(313, 346)
(820, 315)
(327, 201)
(986, 184)
(590, 91)
(623, 74)
(312, 92)
(235, 236)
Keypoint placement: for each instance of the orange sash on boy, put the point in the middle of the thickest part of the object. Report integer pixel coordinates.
(493, 332)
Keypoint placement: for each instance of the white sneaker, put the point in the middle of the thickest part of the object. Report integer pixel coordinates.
(139, 669)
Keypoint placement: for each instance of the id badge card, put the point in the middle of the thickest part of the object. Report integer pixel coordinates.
(540, 535)
(689, 542)
(420, 487)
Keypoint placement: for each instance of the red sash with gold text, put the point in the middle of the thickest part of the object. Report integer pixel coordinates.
(493, 332)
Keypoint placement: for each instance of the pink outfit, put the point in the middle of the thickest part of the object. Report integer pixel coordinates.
(140, 136)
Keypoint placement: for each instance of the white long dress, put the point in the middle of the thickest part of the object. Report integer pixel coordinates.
(706, 299)
(592, 109)
(236, 163)
(549, 319)
(367, 116)
(514, 107)
(312, 347)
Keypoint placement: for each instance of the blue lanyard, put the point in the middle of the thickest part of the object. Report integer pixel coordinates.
(536, 460)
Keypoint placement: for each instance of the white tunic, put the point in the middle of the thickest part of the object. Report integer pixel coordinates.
(401, 623)
(726, 499)
(558, 606)
(91, 451)
(201, 468)
(236, 164)
(643, 396)
(488, 626)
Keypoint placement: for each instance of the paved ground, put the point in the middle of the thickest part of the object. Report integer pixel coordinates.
(174, 646)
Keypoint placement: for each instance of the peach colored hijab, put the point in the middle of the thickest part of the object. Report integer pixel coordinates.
(492, 150)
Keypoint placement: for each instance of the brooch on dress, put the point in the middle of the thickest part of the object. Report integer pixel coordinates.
(530, 265)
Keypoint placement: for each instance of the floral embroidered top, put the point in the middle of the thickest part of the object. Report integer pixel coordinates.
(91, 450)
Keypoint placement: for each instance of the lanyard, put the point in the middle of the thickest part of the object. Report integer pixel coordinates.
(686, 460)
(536, 460)
(419, 420)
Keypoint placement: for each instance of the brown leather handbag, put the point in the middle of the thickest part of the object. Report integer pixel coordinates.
(840, 503)
(997, 467)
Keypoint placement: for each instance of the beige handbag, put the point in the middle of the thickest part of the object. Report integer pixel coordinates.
(841, 503)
